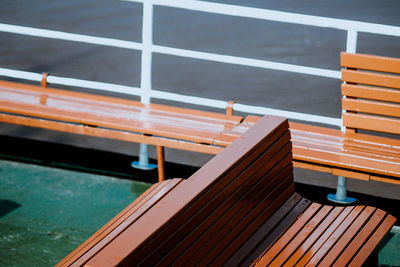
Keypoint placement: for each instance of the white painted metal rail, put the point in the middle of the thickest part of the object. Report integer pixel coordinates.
(146, 92)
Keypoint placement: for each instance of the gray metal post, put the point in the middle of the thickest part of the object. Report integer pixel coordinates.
(143, 163)
(341, 192)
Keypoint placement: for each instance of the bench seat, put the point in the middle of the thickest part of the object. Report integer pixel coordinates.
(115, 118)
(240, 209)
(125, 115)
(357, 156)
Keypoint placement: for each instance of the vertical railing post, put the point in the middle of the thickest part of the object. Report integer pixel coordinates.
(351, 44)
(147, 41)
(145, 77)
(341, 188)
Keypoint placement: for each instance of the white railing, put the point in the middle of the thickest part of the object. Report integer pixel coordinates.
(146, 92)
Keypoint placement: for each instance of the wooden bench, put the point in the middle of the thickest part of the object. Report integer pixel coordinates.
(240, 208)
(107, 117)
(370, 102)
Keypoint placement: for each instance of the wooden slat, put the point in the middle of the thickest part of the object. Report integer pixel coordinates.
(350, 145)
(312, 129)
(201, 133)
(148, 202)
(370, 62)
(301, 236)
(298, 130)
(369, 92)
(370, 147)
(333, 170)
(319, 231)
(325, 236)
(355, 155)
(341, 159)
(347, 237)
(251, 228)
(351, 174)
(210, 177)
(106, 228)
(223, 238)
(385, 179)
(198, 211)
(216, 213)
(361, 238)
(372, 123)
(378, 151)
(373, 107)
(257, 177)
(173, 130)
(277, 231)
(170, 122)
(77, 97)
(376, 79)
(279, 245)
(335, 236)
(111, 134)
(267, 227)
(373, 241)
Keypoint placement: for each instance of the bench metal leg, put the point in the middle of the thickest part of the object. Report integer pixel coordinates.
(143, 163)
(341, 192)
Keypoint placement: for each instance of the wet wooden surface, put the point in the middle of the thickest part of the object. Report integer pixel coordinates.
(239, 209)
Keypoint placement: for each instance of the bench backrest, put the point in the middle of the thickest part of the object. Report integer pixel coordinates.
(371, 93)
(212, 214)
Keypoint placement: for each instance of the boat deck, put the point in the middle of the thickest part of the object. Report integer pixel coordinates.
(46, 212)
(65, 196)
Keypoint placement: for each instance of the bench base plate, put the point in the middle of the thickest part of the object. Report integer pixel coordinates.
(347, 200)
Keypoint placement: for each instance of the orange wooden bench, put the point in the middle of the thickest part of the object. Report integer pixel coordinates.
(370, 101)
(107, 117)
(240, 208)
(371, 105)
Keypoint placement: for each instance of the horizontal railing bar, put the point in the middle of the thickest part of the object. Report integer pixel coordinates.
(116, 88)
(247, 61)
(169, 96)
(173, 51)
(69, 36)
(18, 74)
(278, 16)
(288, 114)
(194, 100)
(245, 108)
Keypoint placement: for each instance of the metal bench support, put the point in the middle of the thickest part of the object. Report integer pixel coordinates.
(341, 192)
(143, 163)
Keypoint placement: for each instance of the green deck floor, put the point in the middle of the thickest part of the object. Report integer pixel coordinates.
(45, 212)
